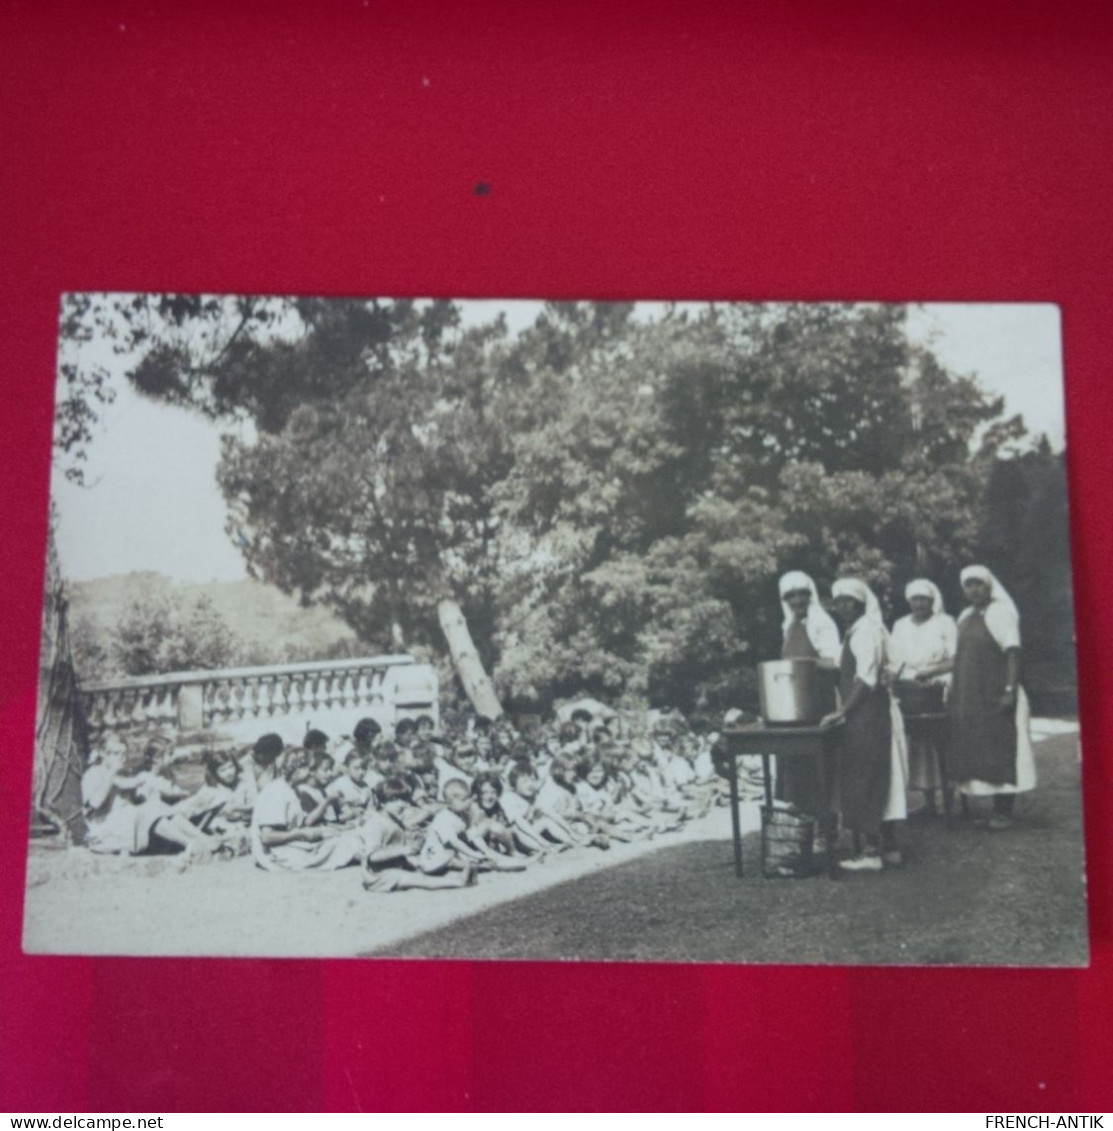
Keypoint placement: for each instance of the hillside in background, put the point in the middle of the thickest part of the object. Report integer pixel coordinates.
(264, 624)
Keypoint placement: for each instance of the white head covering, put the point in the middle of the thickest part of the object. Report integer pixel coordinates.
(818, 620)
(863, 594)
(997, 592)
(921, 587)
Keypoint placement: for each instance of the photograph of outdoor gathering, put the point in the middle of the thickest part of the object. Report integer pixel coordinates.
(712, 632)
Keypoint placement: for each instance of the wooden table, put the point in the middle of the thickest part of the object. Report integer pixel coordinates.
(820, 743)
(932, 727)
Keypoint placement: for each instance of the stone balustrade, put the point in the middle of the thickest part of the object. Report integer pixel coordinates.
(251, 700)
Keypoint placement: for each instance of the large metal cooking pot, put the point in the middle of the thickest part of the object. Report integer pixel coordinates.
(791, 692)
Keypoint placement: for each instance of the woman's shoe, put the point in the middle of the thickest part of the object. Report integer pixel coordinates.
(998, 822)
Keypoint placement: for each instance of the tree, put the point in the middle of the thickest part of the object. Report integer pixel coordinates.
(157, 633)
(602, 503)
(1023, 538)
(364, 481)
(91, 654)
(704, 456)
(203, 640)
(144, 641)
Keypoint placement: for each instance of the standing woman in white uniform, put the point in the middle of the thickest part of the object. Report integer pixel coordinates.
(874, 770)
(808, 629)
(810, 633)
(922, 650)
(990, 741)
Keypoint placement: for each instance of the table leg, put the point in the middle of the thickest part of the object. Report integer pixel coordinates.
(945, 778)
(827, 819)
(767, 780)
(735, 823)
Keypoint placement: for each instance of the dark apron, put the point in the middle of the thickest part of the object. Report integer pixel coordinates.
(867, 749)
(982, 736)
(797, 778)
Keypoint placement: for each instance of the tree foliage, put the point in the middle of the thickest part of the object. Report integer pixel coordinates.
(154, 635)
(609, 498)
(690, 463)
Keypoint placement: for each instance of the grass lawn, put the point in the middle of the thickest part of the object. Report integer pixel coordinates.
(965, 896)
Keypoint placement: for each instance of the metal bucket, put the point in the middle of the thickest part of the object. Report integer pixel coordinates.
(791, 692)
(786, 844)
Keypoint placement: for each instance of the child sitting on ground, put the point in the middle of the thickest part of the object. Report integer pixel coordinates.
(207, 806)
(533, 829)
(404, 732)
(557, 798)
(351, 790)
(593, 777)
(445, 847)
(681, 776)
(384, 760)
(483, 744)
(458, 764)
(653, 789)
(487, 822)
(392, 859)
(366, 736)
(572, 744)
(282, 837)
(319, 807)
(622, 762)
(153, 780)
(258, 768)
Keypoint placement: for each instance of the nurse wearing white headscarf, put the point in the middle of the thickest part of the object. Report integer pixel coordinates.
(990, 751)
(875, 754)
(807, 626)
(923, 643)
(809, 633)
(922, 649)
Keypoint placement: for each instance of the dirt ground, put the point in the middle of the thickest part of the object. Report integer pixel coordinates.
(964, 896)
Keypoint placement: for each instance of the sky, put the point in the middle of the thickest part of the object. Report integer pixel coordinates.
(152, 502)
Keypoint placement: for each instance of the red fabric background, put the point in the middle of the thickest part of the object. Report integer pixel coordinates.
(824, 150)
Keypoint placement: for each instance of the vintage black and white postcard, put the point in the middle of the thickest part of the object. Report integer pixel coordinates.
(713, 632)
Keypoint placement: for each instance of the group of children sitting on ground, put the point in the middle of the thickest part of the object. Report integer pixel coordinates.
(416, 809)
